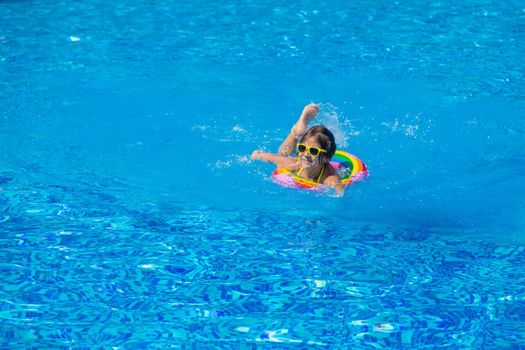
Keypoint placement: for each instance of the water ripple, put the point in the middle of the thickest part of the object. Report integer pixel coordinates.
(102, 272)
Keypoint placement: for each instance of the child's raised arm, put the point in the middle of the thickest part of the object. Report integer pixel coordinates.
(281, 161)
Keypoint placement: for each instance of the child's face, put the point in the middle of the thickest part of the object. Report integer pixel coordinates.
(307, 160)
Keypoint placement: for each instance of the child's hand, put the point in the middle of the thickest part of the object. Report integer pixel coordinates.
(311, 109)
(257, 155)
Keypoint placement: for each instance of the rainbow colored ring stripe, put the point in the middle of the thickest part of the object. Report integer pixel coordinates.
(350, 169)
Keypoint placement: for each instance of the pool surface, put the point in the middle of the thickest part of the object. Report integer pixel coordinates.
(131, 215)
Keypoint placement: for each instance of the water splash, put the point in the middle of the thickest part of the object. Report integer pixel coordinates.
(338, 124)
(412, 126)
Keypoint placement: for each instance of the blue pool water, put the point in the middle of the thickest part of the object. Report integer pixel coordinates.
(132, 217)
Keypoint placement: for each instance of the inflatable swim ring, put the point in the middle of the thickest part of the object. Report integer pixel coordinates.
(349, 168)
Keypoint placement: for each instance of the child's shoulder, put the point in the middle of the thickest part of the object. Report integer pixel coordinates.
(294, 165)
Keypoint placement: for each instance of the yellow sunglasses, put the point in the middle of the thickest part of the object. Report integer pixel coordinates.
(314, 151)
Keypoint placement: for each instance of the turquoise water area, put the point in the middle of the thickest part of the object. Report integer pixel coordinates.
(132, 217)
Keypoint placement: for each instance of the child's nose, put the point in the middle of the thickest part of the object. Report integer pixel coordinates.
(306, 156)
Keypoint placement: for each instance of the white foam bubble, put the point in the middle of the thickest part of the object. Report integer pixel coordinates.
(238, 128)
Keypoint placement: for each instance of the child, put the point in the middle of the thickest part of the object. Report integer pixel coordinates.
(314, 151)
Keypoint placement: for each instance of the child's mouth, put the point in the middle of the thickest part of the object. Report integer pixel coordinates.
(306, 162)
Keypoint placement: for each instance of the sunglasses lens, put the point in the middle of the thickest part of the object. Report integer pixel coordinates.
(301, 148)
(314, 151)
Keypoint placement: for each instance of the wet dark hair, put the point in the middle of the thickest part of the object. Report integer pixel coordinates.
(323, 136)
